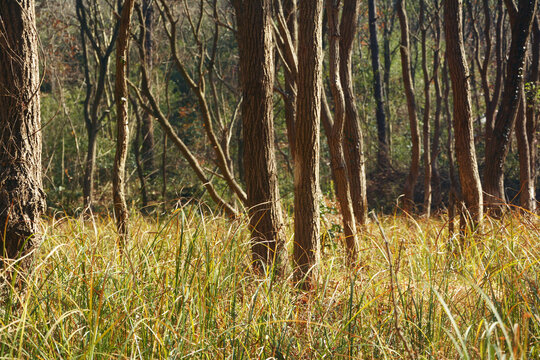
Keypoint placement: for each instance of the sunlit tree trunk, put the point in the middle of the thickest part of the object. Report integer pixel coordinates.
(306, 169)
(22, 200)
(255, 42)
(463, 124)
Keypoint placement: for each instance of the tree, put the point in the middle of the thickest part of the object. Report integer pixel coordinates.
(147, 127)
(102, 45)
(353, 139)
(22, 200)
(121, 98)
(427, 103)
(383, 155)
(408, 199)
(306, 171)
(463, 125)
(255, 45)
(497, 145)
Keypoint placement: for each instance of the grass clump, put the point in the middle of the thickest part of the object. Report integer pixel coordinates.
(185, 289)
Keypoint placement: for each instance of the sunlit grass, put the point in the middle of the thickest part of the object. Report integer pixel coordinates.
(185, 289)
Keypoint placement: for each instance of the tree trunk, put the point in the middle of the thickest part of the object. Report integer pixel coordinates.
(408, 190)
(255, 43)
(122, 137)
(383, 159)
(435, 149)
(427, 104)
(532, 111)
(353, 138)
(526, 192)
(497, 144)
(463, 125)
(147, 128)
(306, 169)
(22, 200)
(335, 138)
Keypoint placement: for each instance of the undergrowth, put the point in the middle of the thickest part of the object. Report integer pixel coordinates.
(185, 289)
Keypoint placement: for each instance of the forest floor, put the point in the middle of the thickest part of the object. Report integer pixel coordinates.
(185, 289)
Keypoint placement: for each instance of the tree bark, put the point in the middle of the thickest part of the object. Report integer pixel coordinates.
(335, 137)
(383, 159)
(526, 192)
(463, 125)
(255, 44)
(408, 190)
(353, 137)
(427, 110)
(497, 144)
(22, 200)
(122, 137)
(306, 170)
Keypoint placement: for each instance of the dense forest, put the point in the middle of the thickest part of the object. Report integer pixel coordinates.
(269, 179)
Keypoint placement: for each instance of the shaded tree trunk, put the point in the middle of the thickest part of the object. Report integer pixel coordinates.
(353, 138)
(436, 179)
(122, 126)
(147, 128)
(255, 43)
(22, 200)
(383, 159)
(526, 192)
(306, 169)
(410, 182)
(497, 144)
(463, 124)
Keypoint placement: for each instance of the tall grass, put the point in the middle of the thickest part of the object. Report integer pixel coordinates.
(185, 289)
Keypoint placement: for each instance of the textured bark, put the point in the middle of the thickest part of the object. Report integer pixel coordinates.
(353, 138)
(306, 170)
(463, 126)
(410, 182)
(532, 111)
(335, 137)
(427, 110)
(497, 144)
(289, 7)
(383, 159)
(22, 200)
(122, 125)
(255, 44)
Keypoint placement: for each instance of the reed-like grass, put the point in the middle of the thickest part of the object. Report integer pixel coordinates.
(185, 290)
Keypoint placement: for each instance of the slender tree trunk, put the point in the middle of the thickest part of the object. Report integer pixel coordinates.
(121, 97)
(436, 179)
(383, 159)
(497, 144)
(526, 191)
(137, 153)
(164, 173)
(427, 105)
(532, 111)
(255, 43)
(463, 125)
(306, 170)
(410, 182)
(88, 181)
(22, 200)
(147, 127)
(337, 157)
(353, 138)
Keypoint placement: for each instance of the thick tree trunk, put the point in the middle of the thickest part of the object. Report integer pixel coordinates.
(306, 170)
(497, 144)
(410, 182)
(335, 137)
(122, 137)
(383, 159)
(463, 125)
(353, 138)
(255, 43)
(22, 200)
